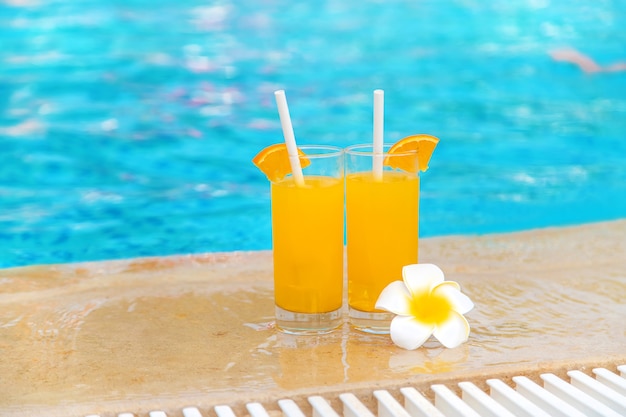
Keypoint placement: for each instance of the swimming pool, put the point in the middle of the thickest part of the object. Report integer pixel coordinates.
(127, 128)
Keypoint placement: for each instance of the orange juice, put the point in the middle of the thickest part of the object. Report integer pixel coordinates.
(307, 235)
(382, 220)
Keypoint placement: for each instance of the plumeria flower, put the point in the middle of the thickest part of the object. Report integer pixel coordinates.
(426, 305)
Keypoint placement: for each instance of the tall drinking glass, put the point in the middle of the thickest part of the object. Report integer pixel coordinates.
(308, 244)
(382, 232)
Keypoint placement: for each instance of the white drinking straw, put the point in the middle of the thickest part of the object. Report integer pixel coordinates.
(290, 138)
(379, 116)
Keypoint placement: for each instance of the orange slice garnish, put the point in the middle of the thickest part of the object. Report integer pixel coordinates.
(273, 161)
(412, 153)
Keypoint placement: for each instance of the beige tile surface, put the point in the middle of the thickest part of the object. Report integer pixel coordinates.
(165, 333)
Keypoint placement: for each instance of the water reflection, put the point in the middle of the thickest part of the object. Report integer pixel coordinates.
(349, 356)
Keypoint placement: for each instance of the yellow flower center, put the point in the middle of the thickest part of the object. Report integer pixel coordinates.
(431, 308)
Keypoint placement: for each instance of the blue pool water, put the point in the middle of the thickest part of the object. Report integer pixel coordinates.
(127, 127)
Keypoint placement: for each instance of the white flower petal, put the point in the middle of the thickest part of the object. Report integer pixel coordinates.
(408, 333)
(395, 298)
(453, 332)
(420, 278)
(461, 303)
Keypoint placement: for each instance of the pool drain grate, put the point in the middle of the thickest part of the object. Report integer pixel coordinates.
(603, 394)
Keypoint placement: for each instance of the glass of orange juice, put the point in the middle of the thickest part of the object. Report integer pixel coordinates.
(382, 231)
(308, 243)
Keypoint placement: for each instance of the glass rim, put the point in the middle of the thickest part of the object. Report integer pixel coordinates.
(328, 151)
(358, 150)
